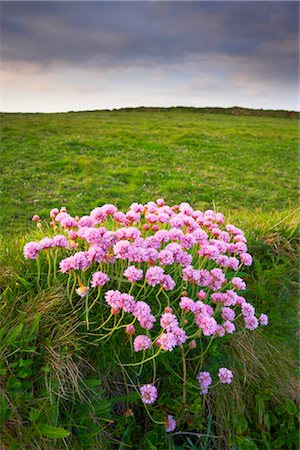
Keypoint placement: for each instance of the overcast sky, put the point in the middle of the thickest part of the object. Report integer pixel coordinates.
(62, 56)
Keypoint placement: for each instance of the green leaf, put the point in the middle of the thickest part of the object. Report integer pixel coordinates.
(279, 442)
(52, 432)
(13, 334)
(4, 409)
(246, 444)
(35, 324)
(25, 283)
(290, 407)
(241, 424)
(34, 414)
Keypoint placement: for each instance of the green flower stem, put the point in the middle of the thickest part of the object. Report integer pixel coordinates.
(144, 360)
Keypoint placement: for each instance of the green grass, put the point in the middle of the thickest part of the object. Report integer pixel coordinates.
(81, 160)
(246, 165)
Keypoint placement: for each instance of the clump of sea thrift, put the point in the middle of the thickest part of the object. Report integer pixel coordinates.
(166, 278)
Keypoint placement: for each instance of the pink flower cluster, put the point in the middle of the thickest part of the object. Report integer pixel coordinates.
(205, 380)
(156, 253)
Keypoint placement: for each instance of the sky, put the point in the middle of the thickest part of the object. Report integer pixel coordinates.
(72, 56)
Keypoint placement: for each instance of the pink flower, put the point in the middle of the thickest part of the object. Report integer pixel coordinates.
(263, 319)
(225, 375)
(160, 202)
(180, 335)
(229, 327)
(99, 279)
(149, 393)
(205, 381)
(31, 250)
(246, 259)
(168, 321)
(130, 329)
(46, 243)
(141, 342)
(35, 218)
(113, 298)
(60, 241)
(167, 283)
(167, 341)
(247, 309)
(123, 249)
(187, 304)
(133, 274)
(154, 275)
(228, 313)
(53, 213)
(251, 322)
(170, 424)
(238, 283)
(127, 302)
(202, 295)
(192, 344)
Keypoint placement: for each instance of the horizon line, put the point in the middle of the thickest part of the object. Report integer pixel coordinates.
(152, 107)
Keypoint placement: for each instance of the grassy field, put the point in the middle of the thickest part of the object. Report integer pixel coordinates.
(59, 391)
(81, 160)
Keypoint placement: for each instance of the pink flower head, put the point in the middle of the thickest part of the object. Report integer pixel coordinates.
(31, 250)
(246, 259)
(98, 215)
(202, 295)
(228, 314)
(247, 309)
(263, 319)
(238, 283)
(130, 329)
(180, 335)
(60, 241)
(170, 424)
(167, 283)
(192, 344)
(251, 322)
(148, 393)
(167, 341)
(127, 302)
(141, 342)
(35, 218)
(168, 321)
(166, 257)
(154, 275)
(113, 298)
(53, 213)
(46, 243)
(99, 279)
(205, 381)
(160, 202)
(233, 263)
(133, 274)
(225, 375)
(229, 327)
(187, 304)
(123, 249)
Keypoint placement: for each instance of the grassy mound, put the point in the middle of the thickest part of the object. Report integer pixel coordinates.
(59, 390)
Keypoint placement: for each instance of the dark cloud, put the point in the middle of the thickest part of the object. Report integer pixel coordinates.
(250, 41)
(127, 32)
